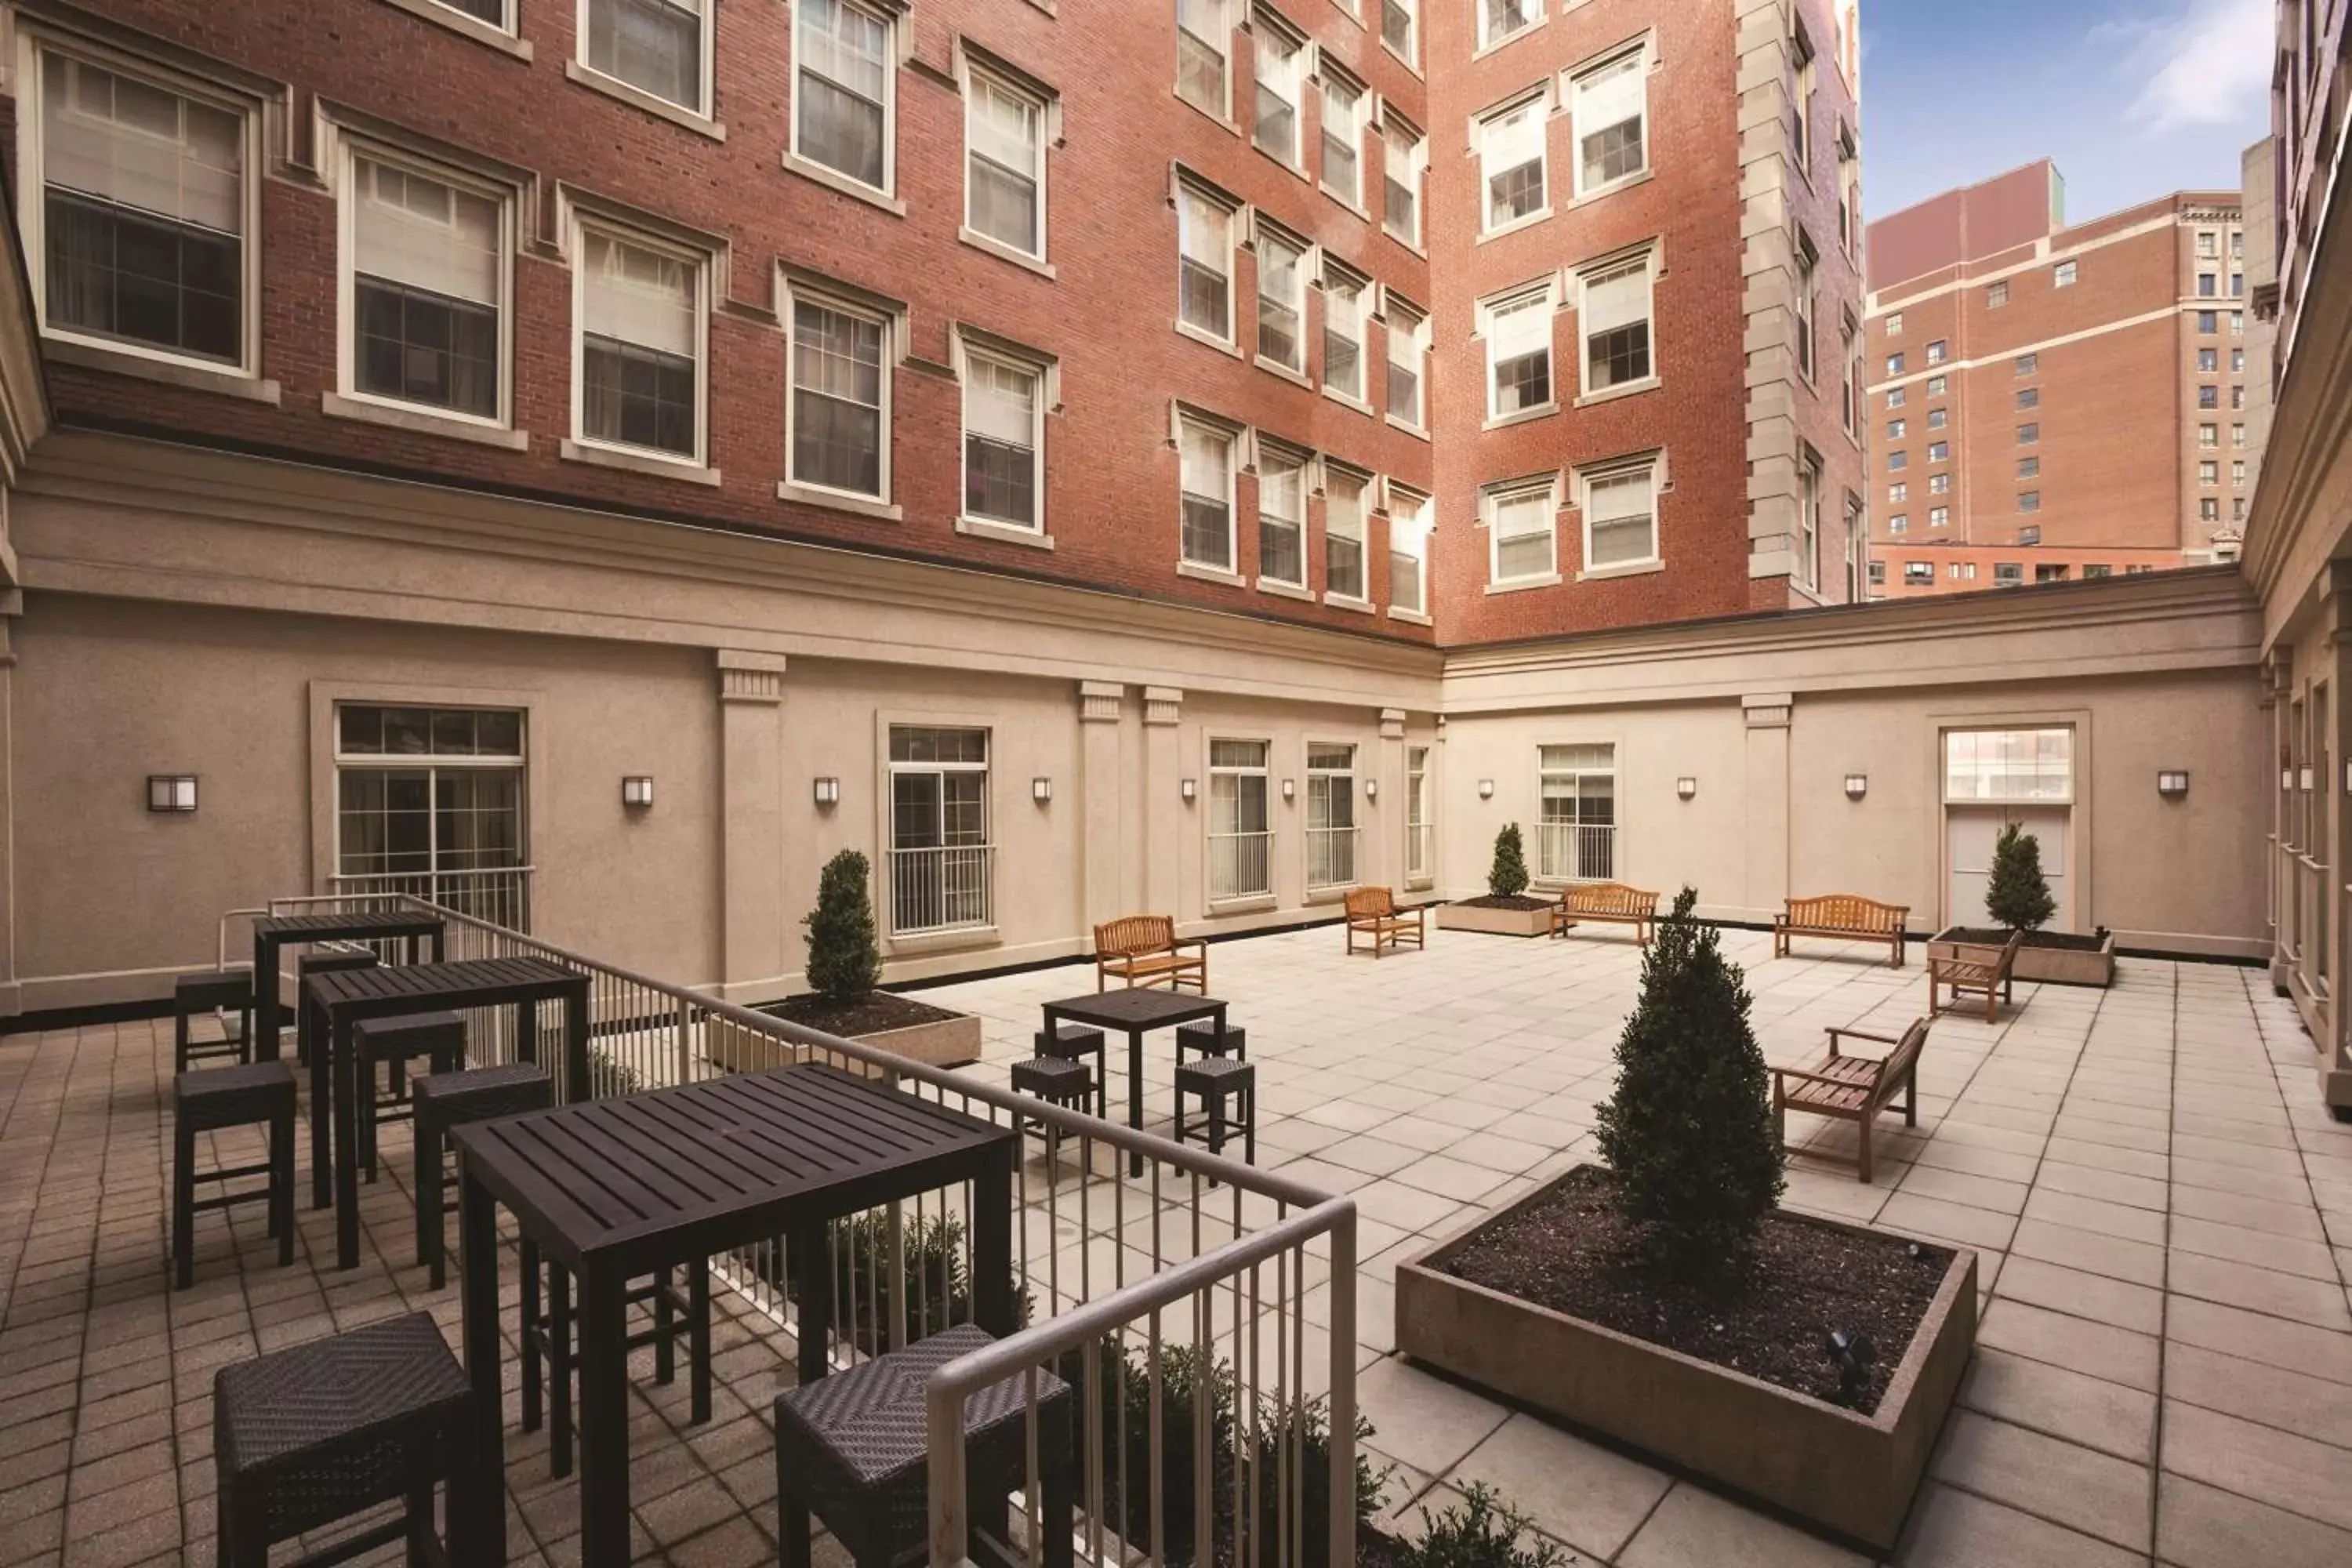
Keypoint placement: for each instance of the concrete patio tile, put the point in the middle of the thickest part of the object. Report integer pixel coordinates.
(2288, 1471)
(1958, 1187)
(1695, 1528)
(1450, 1178)
(2313, 1301)
(1426, 1421)
(1953, 1529)
(2114, 1257)
(2095, 1493)
(1973, 1160)
(2093, 1214)
(1407, 1208)
(2268, 1185)
(2289, 1346)
(2092, 1296)
(1370, 1155)
(2212, 1238)
(2119, 1356)
(2109, 1157)
(1591, 1497)
(2062, 1403)
(2109, 1186)
(2198, 1526)
(2269, 1395)
(2293, 1220)
(1913, 1215)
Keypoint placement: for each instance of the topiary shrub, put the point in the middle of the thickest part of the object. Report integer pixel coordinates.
(845, 959)
(2018, 897)
(1688, 1132)
(1507, 877)
(1482, 1532)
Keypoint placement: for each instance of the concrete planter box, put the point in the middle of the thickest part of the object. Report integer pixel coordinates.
(2050, 966)
(1495, 922)
(942, 1043)
(1852, 1474)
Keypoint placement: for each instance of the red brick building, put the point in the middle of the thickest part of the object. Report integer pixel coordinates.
(2046, 399)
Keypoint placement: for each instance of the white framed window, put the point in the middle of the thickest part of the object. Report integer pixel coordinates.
(1004, 401)
(941, 855)
(1898, 523)
(1577, 835)
(1918, 574)
(1935, 352)
(1619, 501)
(1204, 262)
(1404, 152)
(1894, 429)
(1240, 830)
(1898, 492)
(1501, 19)
(640, 313)
(838, 419)
(1343, 135)
(1615, 303)
(1343, 331)
(1938, 517)
(1611, 116)
(1809, 522)
(1808, 308)
(2209, 436)
(1006, 127)
(1995, 295)
(2209, 243)
(2030, 500)
(1281, 515)
(659, 46)
(430, 801)
(1511, 162)
(1801, 84)
(1204, 42)
(1516, 328)
(427, 279)
(1281, 76)
(846, 89)
(1206, 464)
(2026, 767)
(1343, 534)
(1401, 27)
(1416, 815)
(1281, 299)
(1940, 484)
(494, 12)
(1409, 526)
(1408, 351)
(1940, 451)
(136, 199)
(2062, 276)
(1896, 396)
(1522, 527)
(1895, 325)
(1330, 816)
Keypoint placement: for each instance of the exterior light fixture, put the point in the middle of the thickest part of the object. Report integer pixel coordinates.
(2287, 777)
(637, 792)
(1486, 789)
(1289, 789)
(1188, 789)
(828, 792)
(1856, 785)
(1686, 788)
(2306, 782)
(1372, 789)
(1041, 790)
(170, 792)
(2172, 783)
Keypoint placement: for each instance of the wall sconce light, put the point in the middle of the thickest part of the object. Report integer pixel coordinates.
(170, 792)
(828, 792)
(637, 792)
(2306, 784)
(1041, 790)
(2286, 778)
(1188, 789)
(1486, 789)
(1856, 785)
(2347, 776)
(1372, 789)
(1289, 789)
(1686, 788)
(2172, 783)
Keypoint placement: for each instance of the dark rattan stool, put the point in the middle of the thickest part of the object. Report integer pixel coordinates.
(851, 1449)
(447, 1100)
(1057, 1081)
(1214, 1078)
(198, 994)
(546, 1344)
(1076, 1043)
(438, 1037)
(231, 1096)
(308, 1025)
(1201, 1039)
(307, 1436)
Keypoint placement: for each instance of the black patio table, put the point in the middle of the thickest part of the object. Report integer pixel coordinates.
(1135, 1011)
(612, 1190)
(272, 933)
(345, 996)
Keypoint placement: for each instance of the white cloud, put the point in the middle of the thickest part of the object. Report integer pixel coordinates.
(2209, 64)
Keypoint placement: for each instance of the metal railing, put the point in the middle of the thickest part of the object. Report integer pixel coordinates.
(1576, 851)
(1102, 1255)
(1331, 856)
(1239, 865)
(501, 895)
(1416, 850)
(945, 887)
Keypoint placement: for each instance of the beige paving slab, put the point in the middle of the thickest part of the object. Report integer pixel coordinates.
(1954, 1529)
(2281, 1469)
(2296, 1220)
(1693, 1528)
(1591, 1497)
(1911, 1214)
(2264, 1249)
(1426, 1421)
(2119, 1356)
(2096, 1216)
(2095, 1493)
(2092, 1296)
(2274, 1342)
(2317, 1303)
(2198, 1526)
(2114, 1256)
(2252, 1391)
(2063, 1403)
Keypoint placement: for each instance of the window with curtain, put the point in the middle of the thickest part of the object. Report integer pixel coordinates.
(1511, 159)
(1621, 523)
(1204, 261)
(430, 801)
(1330, 816)
(1408, 551)
(1610, 114)
(1398, 19)
(1343, 535)
(1518, 352)
(1281, 516)
(640, 336)
(1281, 302)
(843, 88)
(839, 398)
(1005, 191)
(1343, 137)
(1615, 320)
(1807, 288)
(1401, 183)
(1204, 36)
(1207, 465)
(1241, 864)
(142, 213)
(655, 46)
(1343, 332)
(1416, 813)
(1577, 837)
(1519, 521)
(1002, 472)
(2023, 765)
(1281, 74)
(1500, 19)
(428, 268)
(940, 848)
(1408, 352)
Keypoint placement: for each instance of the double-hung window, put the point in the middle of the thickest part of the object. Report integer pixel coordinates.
(1399, 22)
(1520, 522)
(494, 12)
(1241, 835)
(655, 46)
(640, 350)
(1501, 19)
(430, 802)
(1402, 151)
(1005, 169)
(1003, 438)
(1281, 81)
(1611, 115)
(1808, 521)
(141, 229)
(940, 853)
(844, 89)
(1577, 839)
(1343, 534)
(1330, 816)
(1614, 306)
(1621, 513)
(1408, 551)
(1511, 159)
(1518, 329)
(1204, 39)
(1343, 136)
(1343, 332)
(1281, 300)
(1281, 515)
(1207, 482)
(840, 409)
(1416, 813)
(1408, 351)
(428, 273)
(1807, 307)
(1204, 264)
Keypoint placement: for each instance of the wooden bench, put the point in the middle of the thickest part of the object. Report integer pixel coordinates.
(1609, 902)
(1973, 972)
(1143, 949)
(1847, 916)
(1852, 1089)
(1373, 913)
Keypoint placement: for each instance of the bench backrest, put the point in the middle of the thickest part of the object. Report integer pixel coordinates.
(1608, 899)
(1366, 904)
(1846, 912)
(1132, 936)
(2008, 954)
(1905, 1052)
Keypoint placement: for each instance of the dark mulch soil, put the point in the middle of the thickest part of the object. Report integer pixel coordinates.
(1575, 1254)
(1515, 901)
(868, 1015)
(1993, 936)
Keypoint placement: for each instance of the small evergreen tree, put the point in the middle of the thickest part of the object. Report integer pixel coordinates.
(1507, 877)
(1689, 1132)
(2018, 897)
(844, 957)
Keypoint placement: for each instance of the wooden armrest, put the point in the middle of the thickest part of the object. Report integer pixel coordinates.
(1198, 943)
(1818, 1078)
(1864, 1034)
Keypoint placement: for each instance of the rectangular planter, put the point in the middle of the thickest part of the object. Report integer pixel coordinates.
(2050, 966)
(1854, 1474)
(942, 1043)
(1495, 922)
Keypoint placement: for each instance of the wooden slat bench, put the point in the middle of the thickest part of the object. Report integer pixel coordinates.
(1607, 901)
(1853, 1088)
(1974, 972)
(1373, 913)
(1143, 949)
(1846, 916)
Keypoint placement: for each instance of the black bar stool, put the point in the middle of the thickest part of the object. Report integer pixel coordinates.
(1201, 1039)
(194, 995)
(1076, 1043)
(308, 1025)
(437, 1037)
(447, 1099)
(547, 1348)
(221, 1098)
(1057, 1081)
(1213, 1079)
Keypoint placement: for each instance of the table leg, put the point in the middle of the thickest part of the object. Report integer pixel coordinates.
(1135, 1094)
(995, 1305)
(576, 1040)
(698, 1340)
(603, 1419)
(264, 997)
(322, 1112)
(477, 1494)
(338, 1045)
(810, 1261)
(437, 946)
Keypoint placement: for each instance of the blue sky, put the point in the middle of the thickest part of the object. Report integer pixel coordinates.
(2133, 98)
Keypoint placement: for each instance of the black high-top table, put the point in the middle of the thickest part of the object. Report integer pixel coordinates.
(1136, 1012)
(272, 933)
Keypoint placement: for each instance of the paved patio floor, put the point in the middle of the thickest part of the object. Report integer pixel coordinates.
(2162, 1212)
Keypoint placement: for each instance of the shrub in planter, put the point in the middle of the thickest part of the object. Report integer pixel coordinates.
(2017, 896)
(1507, 877)
(939, 1287)
(845, 954)
(1689, 1132)
(610, 1077)
(1482, 1532)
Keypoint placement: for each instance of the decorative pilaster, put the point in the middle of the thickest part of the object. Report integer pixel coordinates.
(1388, 814)
(1100, 797)
(1768, 716)
(1164, 816)
(752, 821)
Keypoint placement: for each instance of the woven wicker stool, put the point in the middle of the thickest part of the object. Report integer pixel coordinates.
(196, 994)
(1057, 1081)
(547, 1347)
(1201, 1039)
(221, 1098)
(1214, 1078)
(851, 1449)
(447, 1099)
(307, 1436)
(438, 1037)
(308, 1025)
(1076, 1043)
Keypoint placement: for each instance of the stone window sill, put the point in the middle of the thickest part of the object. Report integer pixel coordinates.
(833, 500)
(808, 169)
(1341, 398)
(1525, 220)
(1003, 252)
(1248, 904)
(169, 373)
(1622, 389)
(1285, 590)
(637, 98)
(1410, 618)
(1415, 431)
(1004, 533)
(1348, 601)
(472, 27)
(1521, 415)
(1186, 328)
(651, 463)
(1521, 585)
(962, 939)
(1211, 574)
(1630, 569)
(423, 422)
